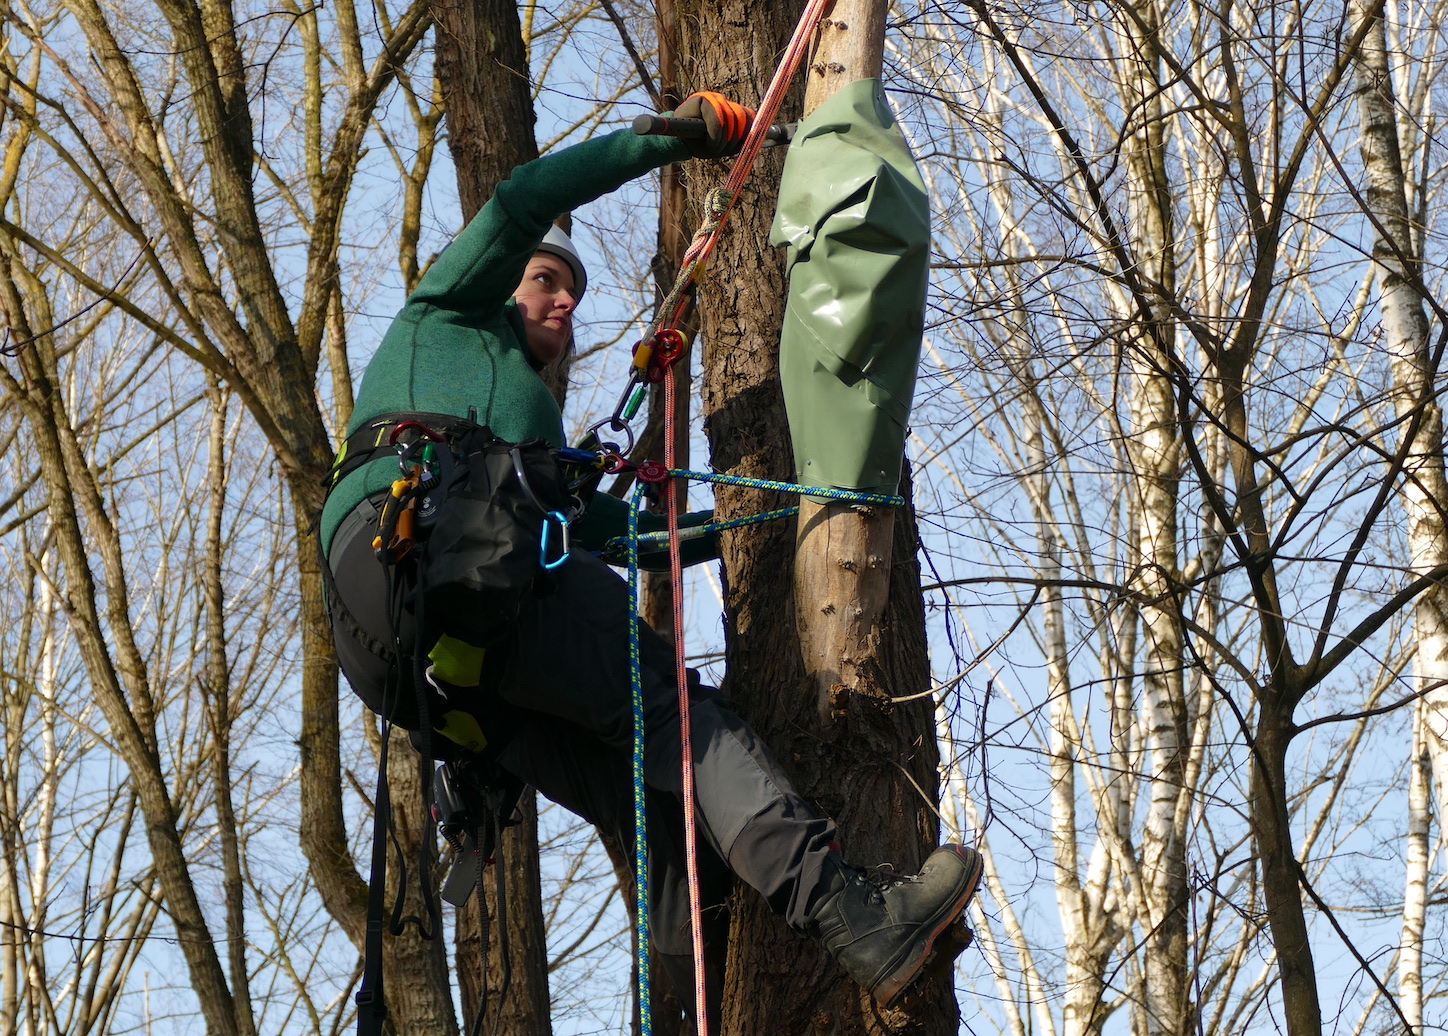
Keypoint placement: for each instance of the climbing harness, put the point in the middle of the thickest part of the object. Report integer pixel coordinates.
(503, 531)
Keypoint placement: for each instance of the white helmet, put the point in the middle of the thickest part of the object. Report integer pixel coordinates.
(556, 242)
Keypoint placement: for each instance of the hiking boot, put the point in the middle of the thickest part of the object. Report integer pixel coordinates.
(882, 932)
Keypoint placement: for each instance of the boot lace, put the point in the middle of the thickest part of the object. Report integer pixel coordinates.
(878, 880)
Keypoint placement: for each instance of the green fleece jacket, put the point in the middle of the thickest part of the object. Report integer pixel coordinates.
(458, 346)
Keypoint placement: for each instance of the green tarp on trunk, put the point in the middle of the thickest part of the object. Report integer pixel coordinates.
(855, 219)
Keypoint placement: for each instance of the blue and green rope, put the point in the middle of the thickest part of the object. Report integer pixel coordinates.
(633, 541)
(641, 849)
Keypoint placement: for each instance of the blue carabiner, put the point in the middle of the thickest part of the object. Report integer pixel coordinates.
(556, 516)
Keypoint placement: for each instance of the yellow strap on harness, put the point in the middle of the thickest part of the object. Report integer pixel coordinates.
(457, 662)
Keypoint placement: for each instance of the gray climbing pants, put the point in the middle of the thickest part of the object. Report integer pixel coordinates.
(564, 677)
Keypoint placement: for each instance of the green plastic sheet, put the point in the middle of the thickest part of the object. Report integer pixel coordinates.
(855, 221)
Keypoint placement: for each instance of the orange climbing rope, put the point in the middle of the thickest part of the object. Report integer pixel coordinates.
(722, 199)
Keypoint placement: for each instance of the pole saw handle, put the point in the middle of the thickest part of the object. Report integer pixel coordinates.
(647, 125)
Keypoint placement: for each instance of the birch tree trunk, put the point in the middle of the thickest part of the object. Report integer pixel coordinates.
(1154, 449)
(1088, 925)
(1415, 886)
(1397, 256)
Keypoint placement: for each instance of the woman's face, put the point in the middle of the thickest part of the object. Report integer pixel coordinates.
(545, 301)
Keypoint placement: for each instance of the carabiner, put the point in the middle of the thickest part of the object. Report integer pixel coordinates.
(613, 424)
(553, 516)
(422, 429)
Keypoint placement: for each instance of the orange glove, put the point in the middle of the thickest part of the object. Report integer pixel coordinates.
(727, 124)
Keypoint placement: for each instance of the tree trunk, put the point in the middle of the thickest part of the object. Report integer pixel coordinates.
(656, 597)
(842, 560)
(1087, 927)
(730, 47)
(852, 768)
(656, 593)
(1155, 449)
(1281, 887)
(482, 69)
(416, 985)
(862, 635)
(1405, 325)
(1415, 885)
(525, 1009)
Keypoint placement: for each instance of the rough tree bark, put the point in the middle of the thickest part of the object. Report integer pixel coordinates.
(482, 69)
(864, 767)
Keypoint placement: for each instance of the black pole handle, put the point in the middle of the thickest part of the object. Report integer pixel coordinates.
(647, 125)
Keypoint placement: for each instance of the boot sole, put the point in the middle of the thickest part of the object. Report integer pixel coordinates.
(915, 955)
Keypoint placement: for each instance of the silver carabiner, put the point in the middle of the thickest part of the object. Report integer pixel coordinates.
(613, 424)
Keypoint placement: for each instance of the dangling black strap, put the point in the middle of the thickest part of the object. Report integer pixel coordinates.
(501, 895)
(371, 1006)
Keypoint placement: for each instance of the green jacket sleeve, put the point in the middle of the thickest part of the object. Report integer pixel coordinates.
(480, 269)
(603, 527)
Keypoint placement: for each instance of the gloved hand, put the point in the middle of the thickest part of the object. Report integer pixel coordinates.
(727, 123)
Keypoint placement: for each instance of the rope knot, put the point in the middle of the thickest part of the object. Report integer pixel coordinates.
(718, 201)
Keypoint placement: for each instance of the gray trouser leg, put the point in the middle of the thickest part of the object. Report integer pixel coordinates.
(593, 780)
(570, 661)
(567, 669)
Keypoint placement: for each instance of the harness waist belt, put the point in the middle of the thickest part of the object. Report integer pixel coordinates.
(375, 436)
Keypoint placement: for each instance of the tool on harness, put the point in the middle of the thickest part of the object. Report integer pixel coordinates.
(395, 522)
(472, 802)
(411, 504)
